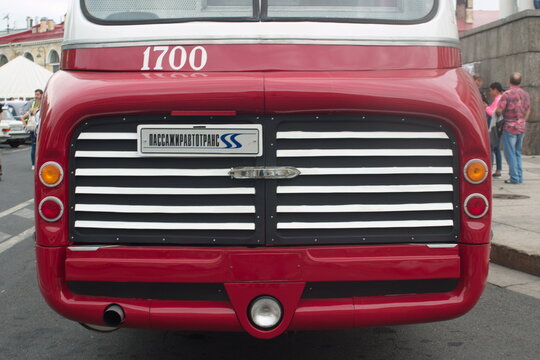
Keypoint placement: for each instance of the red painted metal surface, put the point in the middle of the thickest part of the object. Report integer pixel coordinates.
(301, 314)
(448, 96)
(93, 95)
(193, 315)
(400, 309)
(244, 58)
(445, 95)
(329, 263)
(203, 113)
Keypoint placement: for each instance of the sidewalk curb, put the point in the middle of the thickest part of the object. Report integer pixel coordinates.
(515, 259)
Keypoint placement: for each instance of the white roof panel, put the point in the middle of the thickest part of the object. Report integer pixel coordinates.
(441, 30)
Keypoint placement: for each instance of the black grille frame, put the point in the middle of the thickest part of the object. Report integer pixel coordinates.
(266, 200)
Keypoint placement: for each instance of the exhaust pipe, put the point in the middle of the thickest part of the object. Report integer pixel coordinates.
(113, 315)
(99, 328)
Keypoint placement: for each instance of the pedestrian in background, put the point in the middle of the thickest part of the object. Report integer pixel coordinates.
(0, 155)
(515, 106)
(31, 123)
(479, 82)
(495, 91)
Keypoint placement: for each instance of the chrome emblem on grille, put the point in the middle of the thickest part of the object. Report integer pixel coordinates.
(264, 172)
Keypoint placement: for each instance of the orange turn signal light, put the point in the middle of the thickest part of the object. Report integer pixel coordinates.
(51, 174)
(476, 171)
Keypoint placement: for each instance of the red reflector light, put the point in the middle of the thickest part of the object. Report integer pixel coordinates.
(476, 206)
(51, 209)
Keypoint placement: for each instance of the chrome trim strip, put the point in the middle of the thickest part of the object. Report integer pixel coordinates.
(375, 171)
(107, 136)
(98, 43)
(363, 208)
(143, 209)
(162, 225)
(362, 189)
(152, 172)
(89, 248)
(264, 172)
(360, 135)
(441, 246)
(365, 224)
(362, 152)
(163, 191)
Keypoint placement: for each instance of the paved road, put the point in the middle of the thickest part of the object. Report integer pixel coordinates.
(504, 325)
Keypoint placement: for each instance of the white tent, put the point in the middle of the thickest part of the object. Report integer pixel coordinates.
(20, 77)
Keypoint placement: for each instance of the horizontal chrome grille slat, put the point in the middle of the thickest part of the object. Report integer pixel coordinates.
(360, 135)
(362, 189)
(364, 224)
(106, 154)
(295, 153)
(152, 172)
(107, 136)
(363, 152)
(162, 225)
(162, 191)
(152, 209)
(225, 172)
(375, 171)
(362, 208)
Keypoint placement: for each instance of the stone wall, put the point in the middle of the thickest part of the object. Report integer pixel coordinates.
(506, 46)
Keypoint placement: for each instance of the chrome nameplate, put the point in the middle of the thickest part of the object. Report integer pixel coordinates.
(234, 140)
(263, 172)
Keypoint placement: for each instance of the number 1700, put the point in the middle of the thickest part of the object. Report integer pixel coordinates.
(178, 57)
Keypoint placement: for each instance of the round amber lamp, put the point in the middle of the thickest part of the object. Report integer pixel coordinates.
(51, 174)
(476, 171)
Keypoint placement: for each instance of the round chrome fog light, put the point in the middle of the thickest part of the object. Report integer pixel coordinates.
(265, 312)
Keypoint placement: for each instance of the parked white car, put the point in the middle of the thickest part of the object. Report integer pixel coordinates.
(12, 130)
(4, 130)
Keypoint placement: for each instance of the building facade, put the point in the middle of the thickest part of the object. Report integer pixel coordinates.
(40, 44)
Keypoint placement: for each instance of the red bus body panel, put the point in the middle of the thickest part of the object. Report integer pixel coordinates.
(276, 57)
(468, 262)
(436, 91)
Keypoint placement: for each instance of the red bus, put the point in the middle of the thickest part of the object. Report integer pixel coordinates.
(261, 166)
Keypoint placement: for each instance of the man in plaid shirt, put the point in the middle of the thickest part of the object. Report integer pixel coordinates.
(515, 106)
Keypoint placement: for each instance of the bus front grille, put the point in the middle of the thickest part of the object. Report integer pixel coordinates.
(120, 197)
(363, 179)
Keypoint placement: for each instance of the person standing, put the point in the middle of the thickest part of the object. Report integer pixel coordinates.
(0, 154)
(495, 91)
(34, 108)
(515, 107)
(479, 82)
